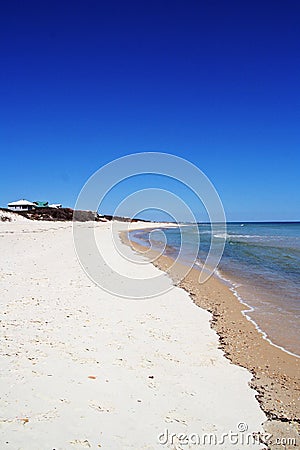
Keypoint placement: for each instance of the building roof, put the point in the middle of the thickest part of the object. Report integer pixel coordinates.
(41, 204)
(22, 202)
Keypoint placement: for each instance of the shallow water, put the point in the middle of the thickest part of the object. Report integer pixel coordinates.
(261, 263)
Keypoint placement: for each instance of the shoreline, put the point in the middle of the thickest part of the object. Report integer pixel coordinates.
(231, 286)
(250, 309)
(260, 331)
(275, 371)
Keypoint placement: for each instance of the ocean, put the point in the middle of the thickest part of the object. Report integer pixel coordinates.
(260, 264)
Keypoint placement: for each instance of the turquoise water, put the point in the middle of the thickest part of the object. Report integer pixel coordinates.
(260, 263)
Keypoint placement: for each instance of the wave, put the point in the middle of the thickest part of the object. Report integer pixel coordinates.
(245, 236)
(233, 287)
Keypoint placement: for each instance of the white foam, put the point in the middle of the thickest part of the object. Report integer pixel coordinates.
(233, 288)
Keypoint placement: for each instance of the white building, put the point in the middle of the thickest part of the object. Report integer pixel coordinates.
(55, 205)
(21, 205)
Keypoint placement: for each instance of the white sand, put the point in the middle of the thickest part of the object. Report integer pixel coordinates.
(156, 362)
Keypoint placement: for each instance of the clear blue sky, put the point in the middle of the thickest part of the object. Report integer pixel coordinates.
(216, 82)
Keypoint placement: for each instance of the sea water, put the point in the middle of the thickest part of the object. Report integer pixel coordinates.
(260, 263)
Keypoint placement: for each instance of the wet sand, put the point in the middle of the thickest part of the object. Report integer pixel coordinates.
(276, 373)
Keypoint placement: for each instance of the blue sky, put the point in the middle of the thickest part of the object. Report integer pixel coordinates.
(215, 82)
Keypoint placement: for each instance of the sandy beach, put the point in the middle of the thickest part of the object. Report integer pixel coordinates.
(81, 368)
(150, 225)
(275, 372)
